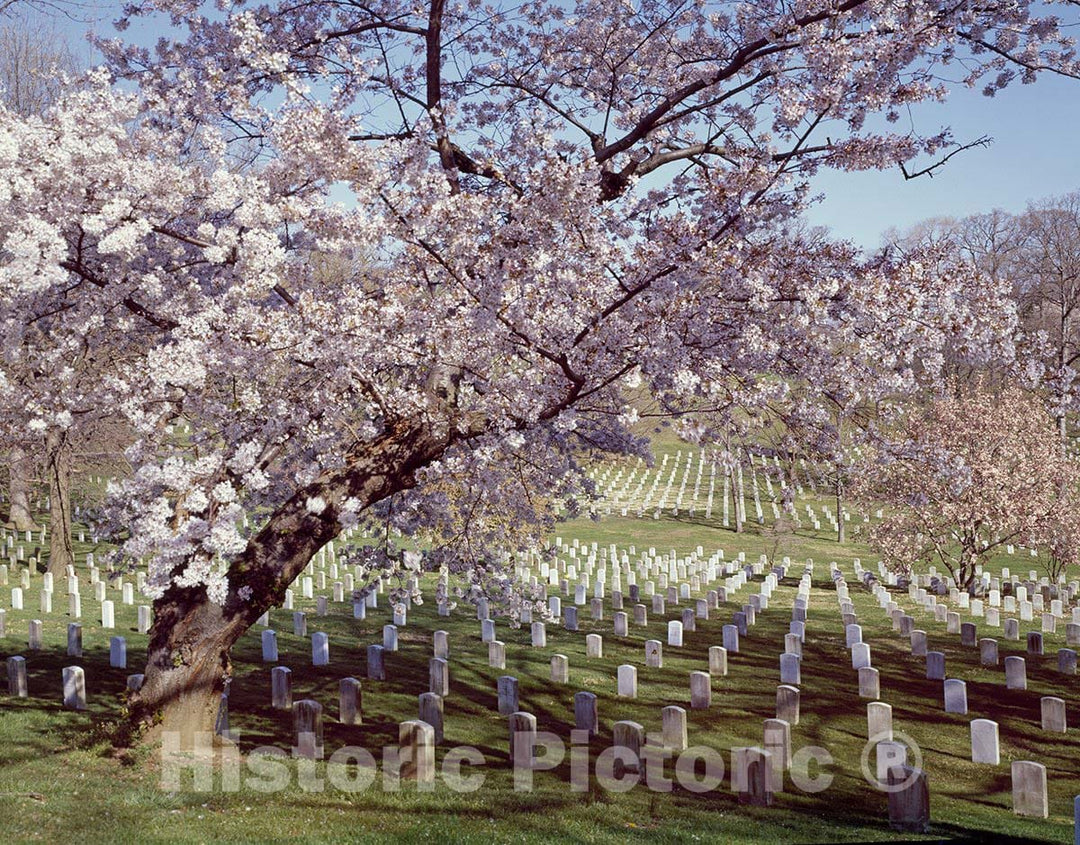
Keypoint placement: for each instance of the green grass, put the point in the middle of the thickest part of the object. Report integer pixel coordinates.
(61, 778)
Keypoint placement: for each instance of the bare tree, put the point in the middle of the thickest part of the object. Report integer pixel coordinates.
(1048, 262)
(34, 65)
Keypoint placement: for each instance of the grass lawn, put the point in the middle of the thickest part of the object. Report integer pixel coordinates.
(60, 778)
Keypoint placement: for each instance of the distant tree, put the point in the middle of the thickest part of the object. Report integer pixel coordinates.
(34, 63)
(967, 476)
(1047, 271)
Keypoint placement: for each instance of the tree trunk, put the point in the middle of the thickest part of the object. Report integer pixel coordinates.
(839, 508)
(20, 469)
(190, 639)
(736, 495)
(187, 664)
(58, 468)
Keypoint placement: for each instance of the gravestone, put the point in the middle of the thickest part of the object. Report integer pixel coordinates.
(673, 726)
(269, 646)
(935, 666)
(281, 688)
(74, 639)
(1053, 714)
(654, 654)
(497, 654)
(74, 688)
(777, 735)
(522, 739)
(560, 669)
(752, 776)
(631, 737)
(988, 652)
(441, 646)
(879, 721)
(1015, 673)
(376, 663)
(439, 676)
(889, 754)
(1029, 789)
(585, 715)
(308, 725)
(16, 672)
(731, 638)
(320, 649)
(790, 672)
(985, 747)
(594, 646)
(869, 683)
(955, 696)
(787, 704)
(700, 690)
(717, 661)
(117, 652)
(626, 681)
(430, 710)
(416, 751)
(507, 687)
(350, 702)
(909, 800)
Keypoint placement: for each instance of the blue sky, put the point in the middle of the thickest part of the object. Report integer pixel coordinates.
(1035, 154)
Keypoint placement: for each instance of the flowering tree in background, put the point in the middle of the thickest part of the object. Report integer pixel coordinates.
(970, 475)
(1038, 252)
(552, 205)
(33, 64)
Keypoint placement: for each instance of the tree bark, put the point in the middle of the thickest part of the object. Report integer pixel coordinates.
(839, 507)
(58, 457)
(190, 639)
(839, 479)
(736, 495)
(20, 474)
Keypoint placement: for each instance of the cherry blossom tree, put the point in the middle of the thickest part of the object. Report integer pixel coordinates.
(969, 475)
(553, 206)
(33, 63)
